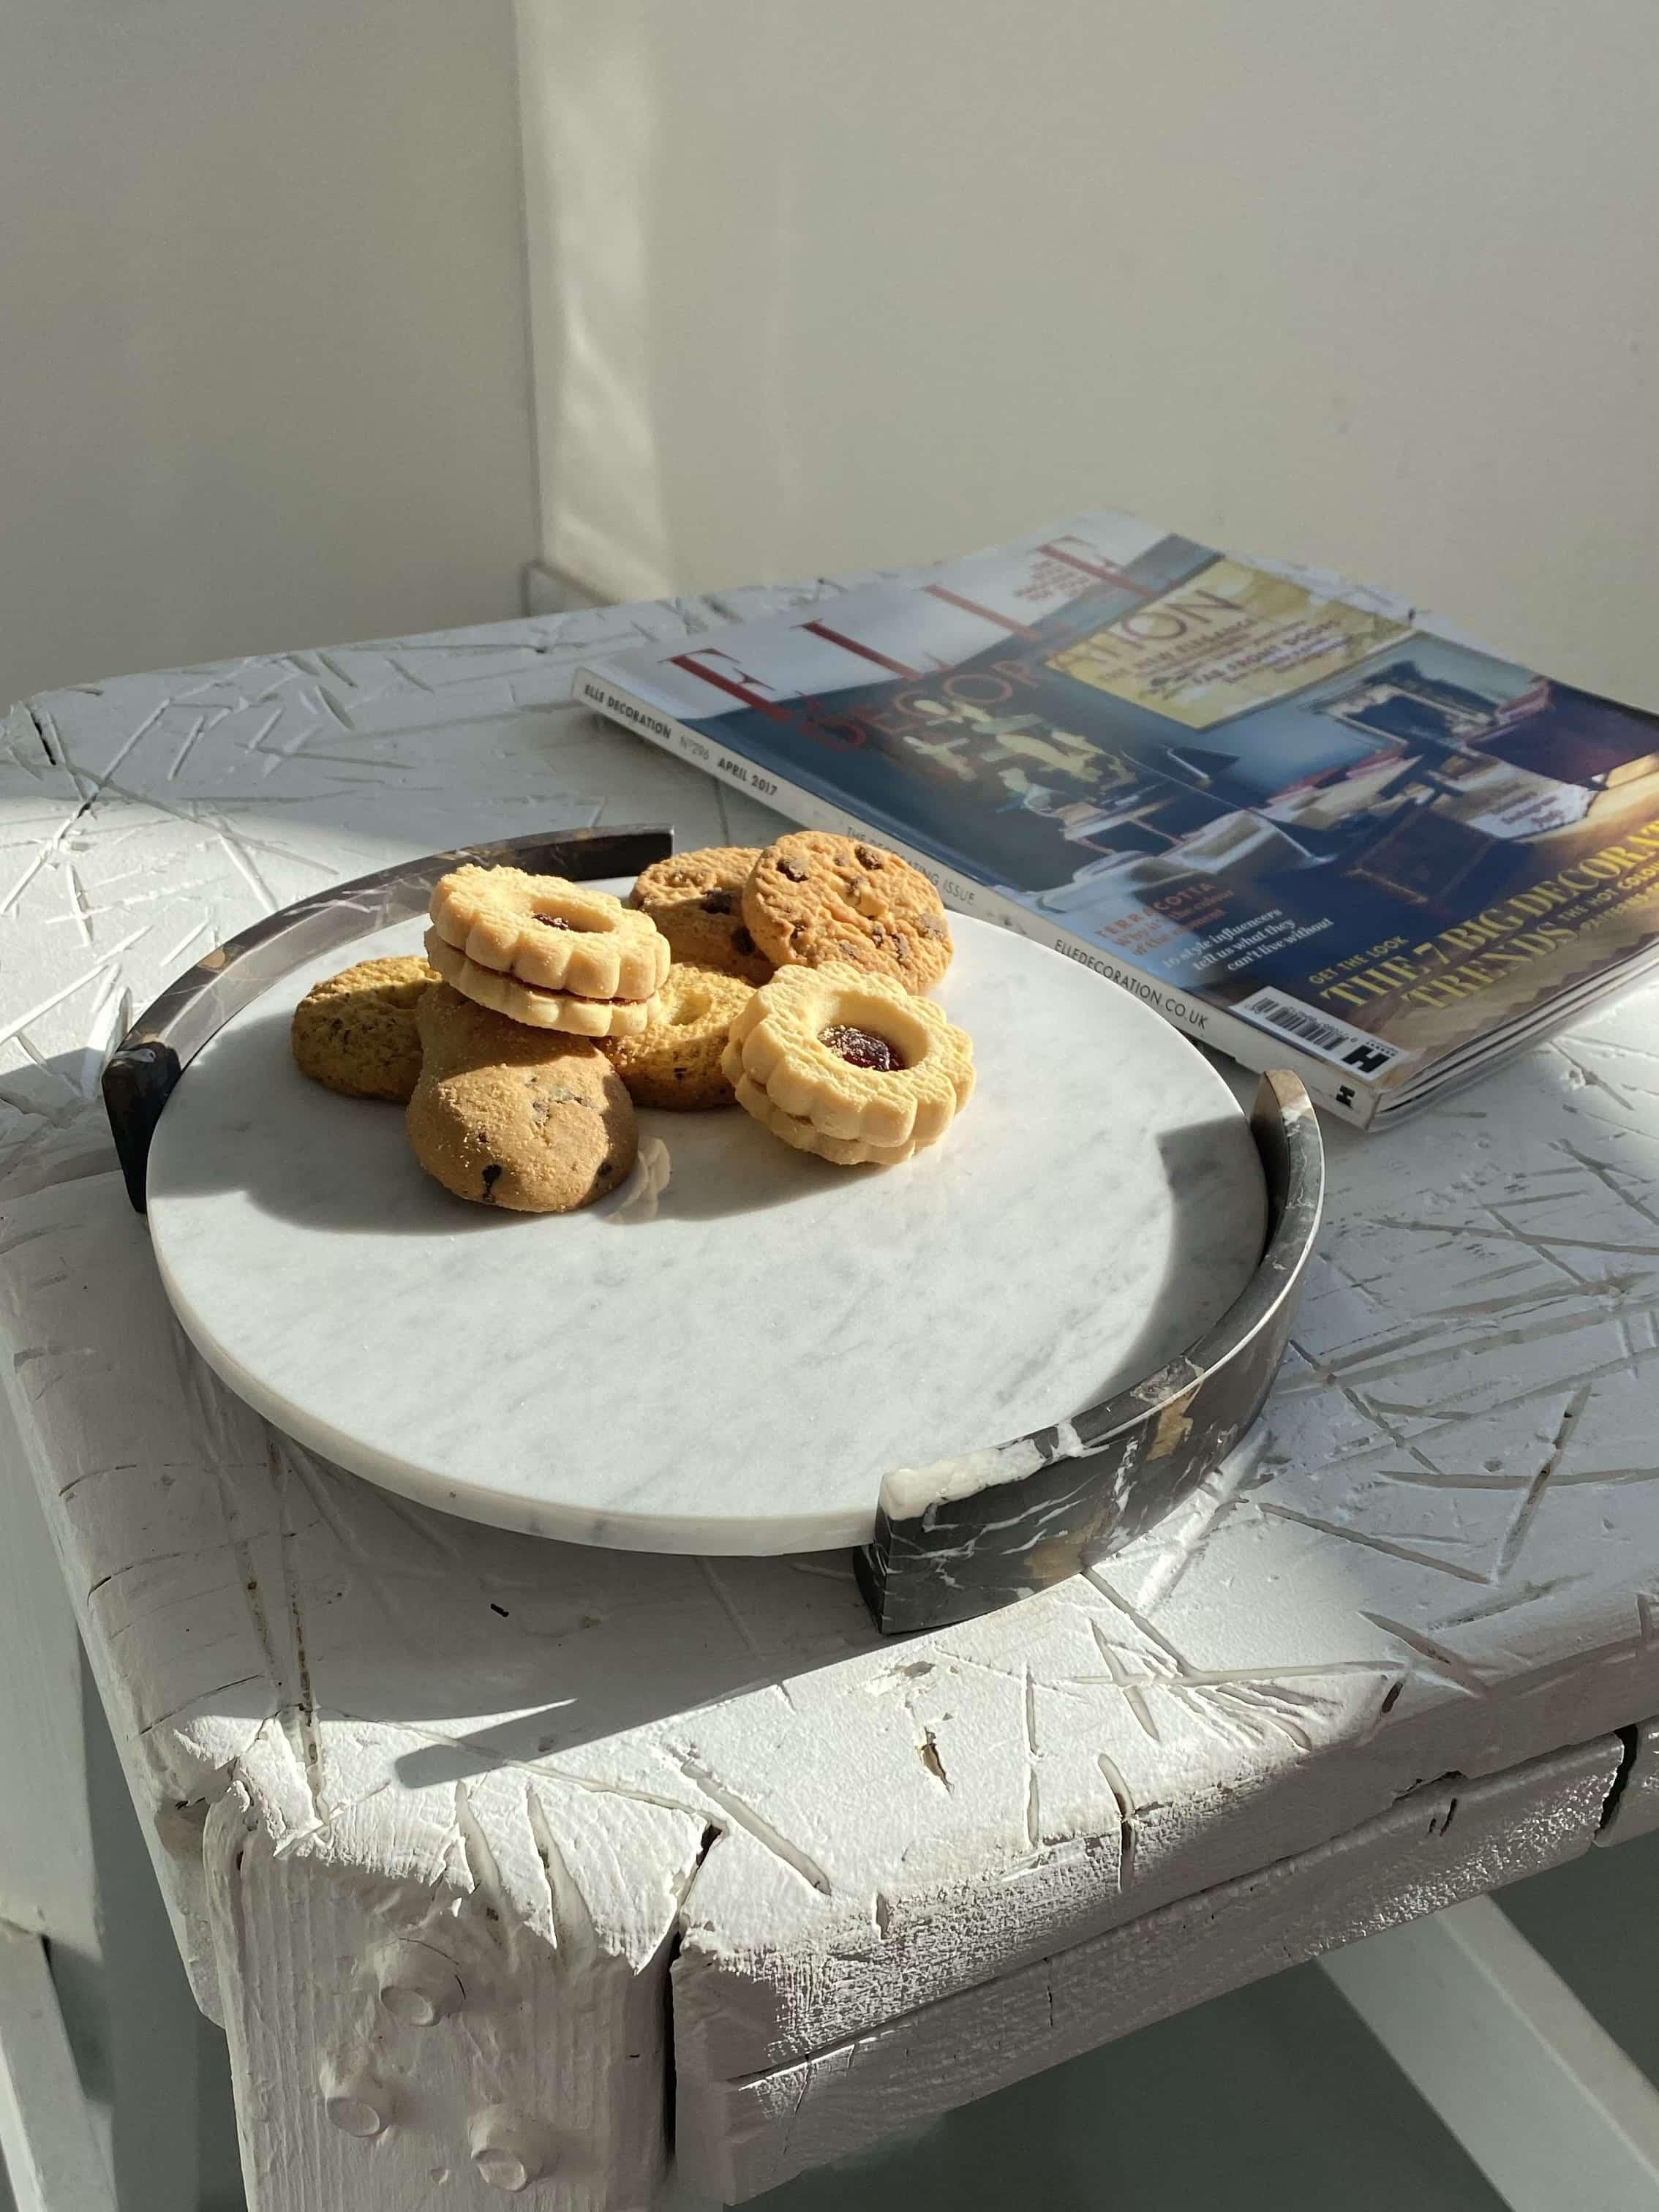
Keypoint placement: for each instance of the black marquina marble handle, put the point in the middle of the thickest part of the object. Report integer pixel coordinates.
(155, 1053)
(964, 1536)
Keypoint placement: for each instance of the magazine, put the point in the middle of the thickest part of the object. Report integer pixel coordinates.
(1311, 826)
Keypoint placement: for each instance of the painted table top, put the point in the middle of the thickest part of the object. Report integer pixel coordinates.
(1437, 1553)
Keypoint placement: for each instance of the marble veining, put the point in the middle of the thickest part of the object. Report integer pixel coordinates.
(731, 1352)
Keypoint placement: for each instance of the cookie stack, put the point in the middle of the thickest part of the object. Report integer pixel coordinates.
(850, 1067)
(550, 954)
(787, 980)
(491, 1042)
(516, 1105)
(836, 1051)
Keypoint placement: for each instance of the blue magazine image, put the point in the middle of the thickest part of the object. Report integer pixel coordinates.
(1307, 823)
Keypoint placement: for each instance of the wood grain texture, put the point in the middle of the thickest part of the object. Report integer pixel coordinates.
(546, 2046)
(48, 2151)
(1441, 1843)
(47, 1874)
(1436, 1554)
(73, 1871)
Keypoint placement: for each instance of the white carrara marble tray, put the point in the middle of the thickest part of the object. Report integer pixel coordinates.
(730, 1352)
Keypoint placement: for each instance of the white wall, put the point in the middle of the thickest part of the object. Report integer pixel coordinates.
(263, 381)
(1371, 282)
(263, 374)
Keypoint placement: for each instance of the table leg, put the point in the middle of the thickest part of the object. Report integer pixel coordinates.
(402, 2043)
(74, 1874)
(1541, 2097)
(46, 2141)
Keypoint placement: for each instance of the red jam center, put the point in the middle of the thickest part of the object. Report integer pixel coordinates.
(862, 1049)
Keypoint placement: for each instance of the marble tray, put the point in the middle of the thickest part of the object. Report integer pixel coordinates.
(737, 1350)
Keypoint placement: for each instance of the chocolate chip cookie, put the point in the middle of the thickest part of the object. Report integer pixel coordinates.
(813, 898)
(530, 1120)
(355, 1031)
(696, 899)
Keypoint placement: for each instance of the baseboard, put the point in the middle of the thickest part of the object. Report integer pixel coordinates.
(553, 592)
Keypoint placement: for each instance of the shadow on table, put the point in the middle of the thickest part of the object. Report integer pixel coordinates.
(245, 1119)
(503, 1649)
(500, 1648)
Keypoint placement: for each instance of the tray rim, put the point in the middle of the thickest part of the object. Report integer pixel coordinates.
(1041, 1506)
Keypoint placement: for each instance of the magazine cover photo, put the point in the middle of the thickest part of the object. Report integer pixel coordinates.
(1306, 808)
(1282, 795)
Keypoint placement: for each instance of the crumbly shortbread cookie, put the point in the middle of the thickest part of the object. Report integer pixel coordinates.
(696, 899)
(852, 1057)
(355, 1032)
(559, 936)
(813, 897)
(841, 1151)
(534, 1121)
(676, 1062)
(528, 1003)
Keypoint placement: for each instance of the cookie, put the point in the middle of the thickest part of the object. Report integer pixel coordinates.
(559, 936)
(676, 1062)
(813, 898)
(529, 1004)
(858, 1067)
(526, 1119)
(841, 1151)
(356, 1031)
(696, 899)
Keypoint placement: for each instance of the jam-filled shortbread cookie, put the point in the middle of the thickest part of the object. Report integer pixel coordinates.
(529, 1003)
(557, 935)
(848, 1064)
(813, 897)
(696, 899)
(676, 1062)
(509, 1116)
(355, 1032)
(842, 1151)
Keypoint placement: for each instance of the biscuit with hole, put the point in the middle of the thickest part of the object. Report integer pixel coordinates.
(529, 1004)
(840, 1151)
(852, 1060)
(675, 1063)
(556, 935)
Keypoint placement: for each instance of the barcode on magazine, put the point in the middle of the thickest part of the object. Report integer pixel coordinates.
(1318, 1032)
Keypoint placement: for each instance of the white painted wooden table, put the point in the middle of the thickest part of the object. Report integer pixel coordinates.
(494, 1856)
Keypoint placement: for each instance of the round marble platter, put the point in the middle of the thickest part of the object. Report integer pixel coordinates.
(730, 1352)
